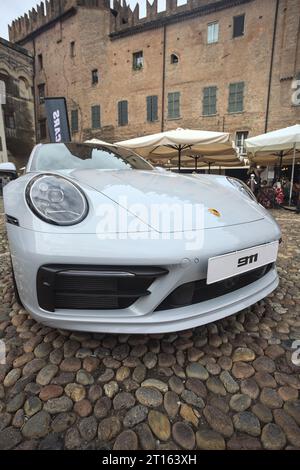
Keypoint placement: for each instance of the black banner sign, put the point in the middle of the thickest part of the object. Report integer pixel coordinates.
(58, 121)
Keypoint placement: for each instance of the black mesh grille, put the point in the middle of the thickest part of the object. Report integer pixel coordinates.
(83, 301)
(198, 291)
(81, 283)
(93, 287)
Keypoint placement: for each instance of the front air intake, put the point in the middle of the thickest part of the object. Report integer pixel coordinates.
(93, 287)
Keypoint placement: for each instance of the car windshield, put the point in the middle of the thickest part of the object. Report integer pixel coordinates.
(85, 157)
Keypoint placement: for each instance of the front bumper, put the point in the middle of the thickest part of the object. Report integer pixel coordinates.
(31, 250)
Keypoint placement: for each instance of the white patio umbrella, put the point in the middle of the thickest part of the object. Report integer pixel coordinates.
(180, 142)
(284, 158)
(281, 143)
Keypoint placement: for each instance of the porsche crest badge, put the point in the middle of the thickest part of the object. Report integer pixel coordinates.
(214, 212)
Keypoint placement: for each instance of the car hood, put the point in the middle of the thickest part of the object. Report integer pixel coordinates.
(202, 201)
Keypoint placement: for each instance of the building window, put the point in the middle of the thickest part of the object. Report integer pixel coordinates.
(95, 77)
(236, 97)
(123, 113)
(41, 93)
(40, 61)
(74, 121)
(238, 26)
(9, 120)
(137, 60)
(96, 121)
(152, 104)
(174, 59)
(72, 49)
(43, 129)
(174, 105)
(240, 138)
(213, 32)
(209, 101)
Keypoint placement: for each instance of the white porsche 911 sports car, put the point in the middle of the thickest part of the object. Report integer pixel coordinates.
(102, 241)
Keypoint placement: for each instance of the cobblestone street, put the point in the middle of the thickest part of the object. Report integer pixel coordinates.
(231, 384)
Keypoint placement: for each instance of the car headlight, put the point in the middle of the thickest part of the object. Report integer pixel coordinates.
(56, 200)
(242, 187)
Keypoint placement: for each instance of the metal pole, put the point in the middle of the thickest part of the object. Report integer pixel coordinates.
(163, 80)
(292, 177)
(280, 166)
(271, 66)
(196, 163)
(179, 158)
(209, 168)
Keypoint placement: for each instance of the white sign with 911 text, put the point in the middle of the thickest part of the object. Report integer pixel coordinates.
(238, 262)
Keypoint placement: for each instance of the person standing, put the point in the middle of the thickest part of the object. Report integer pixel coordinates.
(279, 195)
(252, 183)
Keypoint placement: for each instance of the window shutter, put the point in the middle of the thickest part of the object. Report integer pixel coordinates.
(236, 97)
(174, 105)
(177, 104)
(152, 108)
(120, 113)
(170, 107)
(155, 108)
(206, 101)
(149, 108)
(123, 113)
(74, 120)
(240, 96)
(96, 122)
(209, 101)
(214, 100)
(231, 98)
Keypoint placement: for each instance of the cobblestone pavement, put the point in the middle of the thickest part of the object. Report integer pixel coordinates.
(230, 384)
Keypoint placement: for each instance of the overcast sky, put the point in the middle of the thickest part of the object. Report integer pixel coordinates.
(11, 9)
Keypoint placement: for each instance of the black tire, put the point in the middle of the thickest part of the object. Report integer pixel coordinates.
(17, 296)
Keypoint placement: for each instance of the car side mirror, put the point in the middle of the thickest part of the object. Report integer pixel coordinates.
(8, 171)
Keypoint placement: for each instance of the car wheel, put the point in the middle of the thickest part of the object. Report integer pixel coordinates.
(17, 296)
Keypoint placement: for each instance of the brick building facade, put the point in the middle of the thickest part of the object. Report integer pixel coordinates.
(16, 71)
(219, 65)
